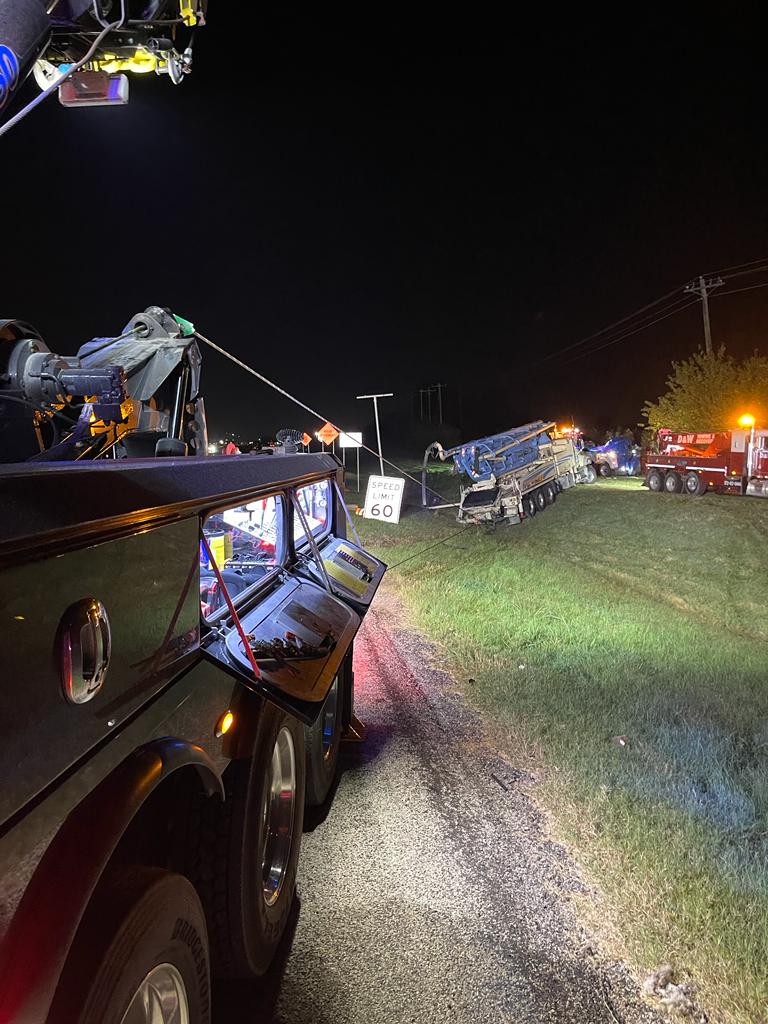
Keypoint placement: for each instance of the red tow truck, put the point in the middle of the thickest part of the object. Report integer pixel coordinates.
(730, 462)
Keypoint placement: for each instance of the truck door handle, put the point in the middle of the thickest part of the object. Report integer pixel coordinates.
(84, 649)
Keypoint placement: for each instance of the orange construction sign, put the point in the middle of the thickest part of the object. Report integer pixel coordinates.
(306, 439)
(328, 433)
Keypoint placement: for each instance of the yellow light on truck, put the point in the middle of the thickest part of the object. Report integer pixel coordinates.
(224, 724)
(746, 420)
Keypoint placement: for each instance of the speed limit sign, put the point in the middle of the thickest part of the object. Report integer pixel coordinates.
(383, 498)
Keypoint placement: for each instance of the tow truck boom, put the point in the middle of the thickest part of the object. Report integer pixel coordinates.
(135, 394)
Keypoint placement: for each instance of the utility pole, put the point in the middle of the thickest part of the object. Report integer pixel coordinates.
(375, 398)
(421, 404)
(439, 389)
(702, 287)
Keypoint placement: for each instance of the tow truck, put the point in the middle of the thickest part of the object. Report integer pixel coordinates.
(619, 456)
(177, 629)
(695, 462)
(511, 476)
(178, 678)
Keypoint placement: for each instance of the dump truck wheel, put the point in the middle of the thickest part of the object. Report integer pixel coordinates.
(694, 484)
(604, 469)
(541, 499)
(590, 473)
(673, 482)
(655, 480)
(322, 741)
(141, 953)
(243, 851)
(550, 493)
(529, 506)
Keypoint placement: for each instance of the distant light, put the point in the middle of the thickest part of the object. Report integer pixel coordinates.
(224, 724)
(746, 420)
(212, 449)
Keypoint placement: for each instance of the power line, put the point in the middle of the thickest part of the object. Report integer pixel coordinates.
(747, 288)
(737, 267)
(610, 327)
(737, 270)
(742, 273)
(628, 334)
(651, 323)
(648, 321)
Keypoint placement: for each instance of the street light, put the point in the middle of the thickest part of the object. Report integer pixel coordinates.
(376, 414)
(748, 422)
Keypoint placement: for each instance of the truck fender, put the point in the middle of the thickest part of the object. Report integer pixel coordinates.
(38, 940)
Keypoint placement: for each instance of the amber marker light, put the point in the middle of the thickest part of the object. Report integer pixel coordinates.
(224, 724)
(746, 420)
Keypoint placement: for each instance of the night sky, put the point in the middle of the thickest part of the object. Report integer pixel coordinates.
(355, 206)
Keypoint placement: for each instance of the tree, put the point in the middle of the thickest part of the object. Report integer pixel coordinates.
(710, 392)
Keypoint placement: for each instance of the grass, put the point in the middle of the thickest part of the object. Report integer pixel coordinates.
(619, 613)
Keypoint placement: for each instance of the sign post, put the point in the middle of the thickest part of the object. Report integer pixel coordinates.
(352, 439)
(375, 398)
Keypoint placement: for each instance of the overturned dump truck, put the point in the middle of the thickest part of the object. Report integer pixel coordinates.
(511, 476)
(177, 637)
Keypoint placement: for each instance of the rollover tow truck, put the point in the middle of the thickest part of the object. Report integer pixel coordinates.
(177, 635)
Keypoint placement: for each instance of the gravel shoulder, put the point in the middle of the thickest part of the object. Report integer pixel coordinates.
(430, 890)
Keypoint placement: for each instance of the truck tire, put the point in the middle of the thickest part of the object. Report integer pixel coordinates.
(694, 484)
(550, 493)
(540, 498)
(143, 933)
(655, 480)
(322, 741)
(529, 506)
(590, 473)
(673, 482)
(243, 851)
(604, 469)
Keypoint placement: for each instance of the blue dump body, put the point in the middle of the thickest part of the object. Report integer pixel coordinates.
(501, 453)
(626, 461)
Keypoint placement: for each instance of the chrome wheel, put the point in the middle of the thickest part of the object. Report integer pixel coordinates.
(161, 998)
(277, 816)
(330, 710)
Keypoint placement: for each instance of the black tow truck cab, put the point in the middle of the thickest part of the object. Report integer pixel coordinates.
(176, 656)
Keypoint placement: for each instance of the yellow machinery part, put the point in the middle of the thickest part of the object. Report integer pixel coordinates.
(141, 63)
(188, 15)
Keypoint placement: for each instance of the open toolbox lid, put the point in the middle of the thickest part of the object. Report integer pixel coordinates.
(299, 631)
(353, 573)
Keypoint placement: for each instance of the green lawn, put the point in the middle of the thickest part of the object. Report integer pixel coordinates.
(620, 613)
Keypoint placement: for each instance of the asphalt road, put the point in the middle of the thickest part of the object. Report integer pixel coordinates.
(430, 891)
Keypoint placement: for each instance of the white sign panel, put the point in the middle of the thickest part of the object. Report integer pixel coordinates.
(354, 439)
(383, 498)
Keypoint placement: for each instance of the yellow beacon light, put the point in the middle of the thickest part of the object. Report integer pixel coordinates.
(746, 420)
(224, 724)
